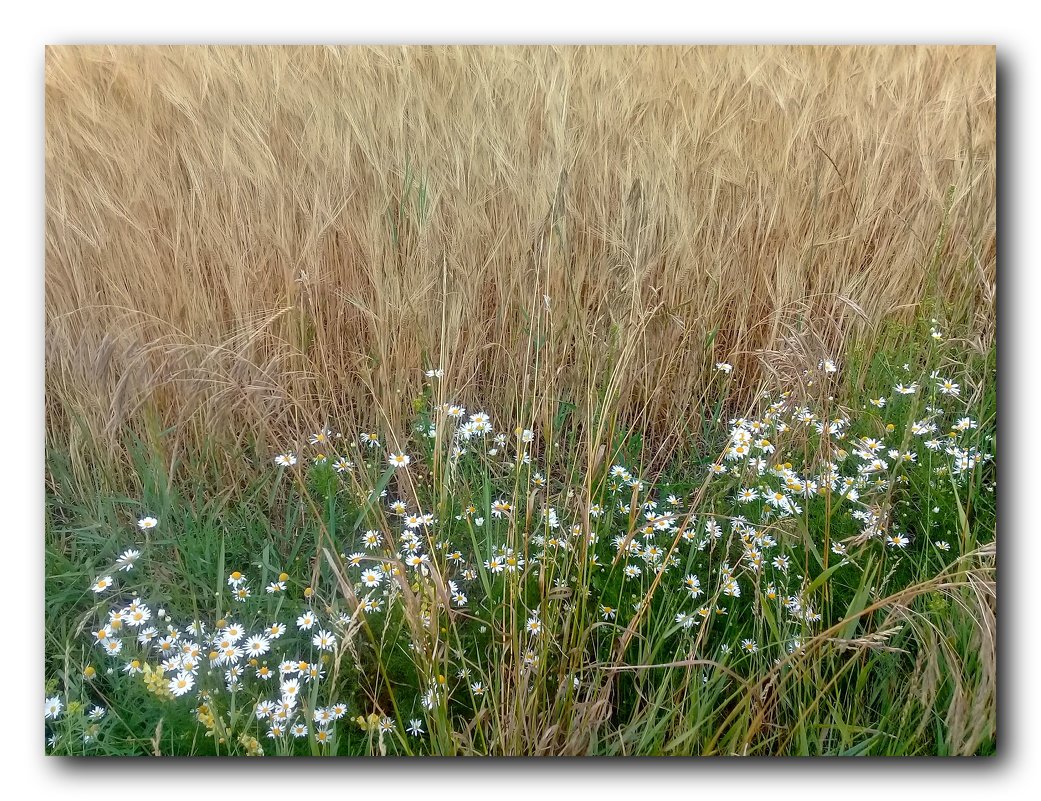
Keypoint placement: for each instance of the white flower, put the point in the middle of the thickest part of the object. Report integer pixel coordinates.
(127, 559)
(147, 522)
(399, 460)
(181, 683)
(372, 577)
(52, 707)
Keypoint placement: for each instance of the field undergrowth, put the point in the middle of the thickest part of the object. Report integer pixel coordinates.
(815, 576)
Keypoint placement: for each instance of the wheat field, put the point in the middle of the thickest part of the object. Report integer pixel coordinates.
(520, 401)
(244, 242)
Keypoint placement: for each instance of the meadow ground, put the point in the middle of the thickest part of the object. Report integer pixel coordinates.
(520, 401)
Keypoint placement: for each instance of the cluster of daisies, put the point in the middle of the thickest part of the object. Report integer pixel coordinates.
(857, 475)
(721, 548)
(466, 430)
(277, 668)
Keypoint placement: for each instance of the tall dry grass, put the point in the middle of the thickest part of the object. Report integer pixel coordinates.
(241, 241)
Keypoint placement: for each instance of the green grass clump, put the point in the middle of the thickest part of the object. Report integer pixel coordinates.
(813, 574)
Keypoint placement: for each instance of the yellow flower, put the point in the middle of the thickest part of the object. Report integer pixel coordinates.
(156, 683)
(371, 723)
(251, 744)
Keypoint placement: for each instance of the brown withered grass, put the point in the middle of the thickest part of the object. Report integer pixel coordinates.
(241, 242)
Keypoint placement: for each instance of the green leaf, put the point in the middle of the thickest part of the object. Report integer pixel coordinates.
(860, 748)
(373, 498)
(859, 602)
(817, 582)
